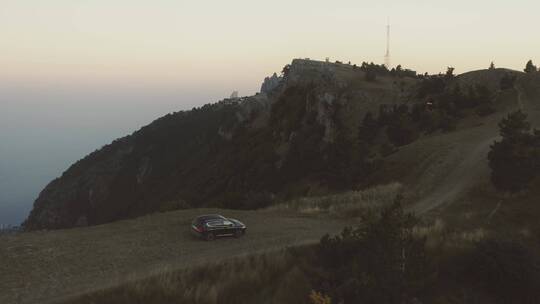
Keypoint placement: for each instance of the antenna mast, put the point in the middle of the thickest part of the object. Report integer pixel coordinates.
(387, 56)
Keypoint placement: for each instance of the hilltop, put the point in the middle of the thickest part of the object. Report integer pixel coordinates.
(319, 128)
(294, 152)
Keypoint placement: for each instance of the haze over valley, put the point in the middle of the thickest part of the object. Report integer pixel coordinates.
(291, 152)
(43, 130)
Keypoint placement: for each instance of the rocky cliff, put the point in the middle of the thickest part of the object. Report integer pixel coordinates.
(306, 133)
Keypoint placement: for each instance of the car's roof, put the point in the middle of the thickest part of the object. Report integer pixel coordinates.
(209, 217)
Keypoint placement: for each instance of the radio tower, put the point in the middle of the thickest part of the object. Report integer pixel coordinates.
(387, 56)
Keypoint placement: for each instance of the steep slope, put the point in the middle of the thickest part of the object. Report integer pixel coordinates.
(238, 153)
(306, 134)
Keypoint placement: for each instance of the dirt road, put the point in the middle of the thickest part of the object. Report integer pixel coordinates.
(41, 267)
(463, 161)
(471, 166)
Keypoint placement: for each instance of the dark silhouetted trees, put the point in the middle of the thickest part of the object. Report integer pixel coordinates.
(286, 70)
(401, 129)
(371, 75)
(530, 67)
(373, 70)
(515, 160)
(381, 261)
(431, 85)
(449, 72)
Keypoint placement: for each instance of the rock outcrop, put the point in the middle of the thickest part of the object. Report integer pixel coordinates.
(270, 84)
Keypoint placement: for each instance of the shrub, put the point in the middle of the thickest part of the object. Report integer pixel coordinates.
(507, 269)
(318, 298)
(380, 261)
(347, 204)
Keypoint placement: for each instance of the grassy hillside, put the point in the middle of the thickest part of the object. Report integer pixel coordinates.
(241, 155)
(38, 267)
(326, 128)
(49, 265)
(388, 258)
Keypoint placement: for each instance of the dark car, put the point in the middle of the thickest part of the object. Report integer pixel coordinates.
(211, 226)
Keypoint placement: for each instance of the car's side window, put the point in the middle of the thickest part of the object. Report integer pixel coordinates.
(211, 223)
(216, 223)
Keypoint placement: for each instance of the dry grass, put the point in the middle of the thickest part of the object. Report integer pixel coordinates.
(265, 278)
(439, 235)
(457, 259)
(347, 204)
(38, 267)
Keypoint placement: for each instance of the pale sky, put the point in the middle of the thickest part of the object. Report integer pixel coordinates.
(232, 45)
(76, 74)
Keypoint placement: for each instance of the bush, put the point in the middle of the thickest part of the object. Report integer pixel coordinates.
(319, 298)
(347, 204)
(507, 269)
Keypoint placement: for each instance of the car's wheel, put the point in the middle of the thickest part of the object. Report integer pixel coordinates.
(238, 233)
(210, 236)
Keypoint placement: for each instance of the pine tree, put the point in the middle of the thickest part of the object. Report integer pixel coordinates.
(514, 126)
(449, 72)
(515, 160)
(530, 67)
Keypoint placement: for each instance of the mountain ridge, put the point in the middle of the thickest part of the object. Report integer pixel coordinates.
(298, 138)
